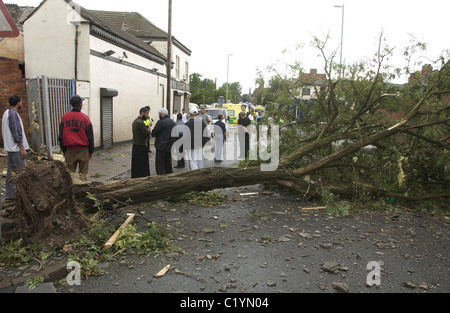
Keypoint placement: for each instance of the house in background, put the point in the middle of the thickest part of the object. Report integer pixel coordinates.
(311, 83)
(12, 48)
(116, 71)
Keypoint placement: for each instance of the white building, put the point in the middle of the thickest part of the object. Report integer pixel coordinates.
(116, 71)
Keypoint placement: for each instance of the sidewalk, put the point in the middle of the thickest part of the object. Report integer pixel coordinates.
(115, 164)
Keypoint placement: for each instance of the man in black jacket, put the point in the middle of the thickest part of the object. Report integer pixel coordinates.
(163, 143)
(243, 134)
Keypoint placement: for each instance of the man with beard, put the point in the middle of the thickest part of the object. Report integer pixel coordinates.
(14, 141)
(163, 143)
(140, 164)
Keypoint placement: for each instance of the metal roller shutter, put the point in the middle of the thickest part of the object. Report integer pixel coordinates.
(107, 122)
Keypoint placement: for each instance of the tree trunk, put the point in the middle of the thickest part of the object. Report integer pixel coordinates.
(151, 188)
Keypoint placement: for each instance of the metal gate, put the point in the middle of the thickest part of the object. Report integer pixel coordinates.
(49, 100)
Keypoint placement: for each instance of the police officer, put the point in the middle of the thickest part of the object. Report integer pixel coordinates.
(148, 122)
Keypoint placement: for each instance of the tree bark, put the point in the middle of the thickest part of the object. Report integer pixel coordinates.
(161, 187)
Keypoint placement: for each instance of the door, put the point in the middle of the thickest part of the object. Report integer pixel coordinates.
(107, 122)
(107, 96)
(177, 103)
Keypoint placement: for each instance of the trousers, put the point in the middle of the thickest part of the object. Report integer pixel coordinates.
(195, 159)
(163, 162)
(219, 147)
(78, 158)
(15, 163)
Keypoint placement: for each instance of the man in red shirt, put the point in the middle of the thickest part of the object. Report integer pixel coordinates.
(76, 138)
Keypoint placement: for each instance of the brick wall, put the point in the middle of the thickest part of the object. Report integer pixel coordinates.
(12, 83)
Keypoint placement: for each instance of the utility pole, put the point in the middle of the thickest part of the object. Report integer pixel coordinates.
(169, 62)
(342, 35)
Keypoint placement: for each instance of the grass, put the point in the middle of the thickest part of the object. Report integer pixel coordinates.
(88, 250)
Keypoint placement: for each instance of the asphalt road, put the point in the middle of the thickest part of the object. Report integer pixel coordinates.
(266, 243)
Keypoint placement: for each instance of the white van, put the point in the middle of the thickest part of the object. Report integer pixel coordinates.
(214, 113)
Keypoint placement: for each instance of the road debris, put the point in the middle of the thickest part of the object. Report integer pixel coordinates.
(340, 286)
(116, 235)
(162, 272)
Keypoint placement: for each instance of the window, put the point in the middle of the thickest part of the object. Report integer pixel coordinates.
(306, 91)
(177, 67)
(186, 69)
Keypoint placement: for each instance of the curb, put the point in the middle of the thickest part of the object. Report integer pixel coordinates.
(53, 273)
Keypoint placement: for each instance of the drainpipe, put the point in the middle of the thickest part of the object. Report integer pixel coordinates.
(77, 35)
(76, 51)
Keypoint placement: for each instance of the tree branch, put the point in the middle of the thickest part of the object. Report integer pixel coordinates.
(434, 142)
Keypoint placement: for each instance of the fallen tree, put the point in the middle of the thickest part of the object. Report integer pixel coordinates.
(327, 148)
(405, 126)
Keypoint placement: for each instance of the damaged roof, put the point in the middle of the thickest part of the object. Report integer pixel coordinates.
(19, 13)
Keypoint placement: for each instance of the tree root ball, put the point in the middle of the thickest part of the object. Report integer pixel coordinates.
(44, 201)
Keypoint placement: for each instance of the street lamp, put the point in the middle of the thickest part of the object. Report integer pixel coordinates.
(169, 60)
(342, 34)
(228, 73)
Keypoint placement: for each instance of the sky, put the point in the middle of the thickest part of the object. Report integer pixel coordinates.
(252, 34)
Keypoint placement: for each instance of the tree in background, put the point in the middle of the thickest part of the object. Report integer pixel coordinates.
(364, 135)
(202, 89)
(234, 92)
(260, 91)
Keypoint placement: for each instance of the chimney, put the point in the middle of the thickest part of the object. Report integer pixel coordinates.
(427, 69)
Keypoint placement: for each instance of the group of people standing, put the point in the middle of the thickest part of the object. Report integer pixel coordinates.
(76, 138)
(169, 131)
